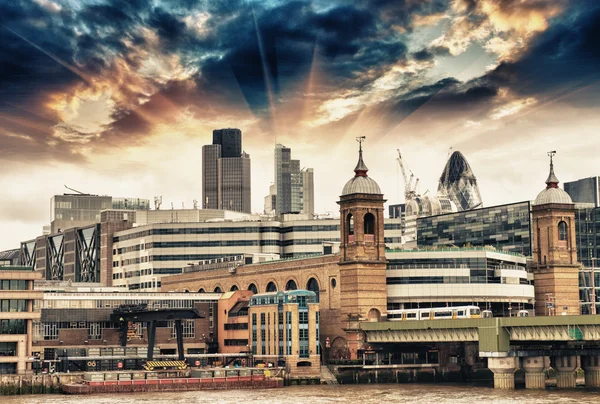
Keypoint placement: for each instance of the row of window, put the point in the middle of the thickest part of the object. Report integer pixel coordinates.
(240, 229)
(13, 327)
(417, 280)
(13, 285)
(236, 326)
(107, 304)
(13, 305)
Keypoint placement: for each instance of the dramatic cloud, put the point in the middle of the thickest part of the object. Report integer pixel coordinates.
(101, 85)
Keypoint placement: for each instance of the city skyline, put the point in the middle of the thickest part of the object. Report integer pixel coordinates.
(118, 98)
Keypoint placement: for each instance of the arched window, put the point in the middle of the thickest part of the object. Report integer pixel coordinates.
(201, 290)
(252, 287)
(218, 290)
(313, 286)
(233, 288)
(291, 285)
(350, 228)
(562, 231)
(369, 223)
(271, 287)
(374, 315)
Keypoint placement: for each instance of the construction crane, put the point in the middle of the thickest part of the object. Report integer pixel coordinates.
(410, 183)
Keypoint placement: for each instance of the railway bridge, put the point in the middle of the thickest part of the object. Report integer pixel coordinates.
(533, 343)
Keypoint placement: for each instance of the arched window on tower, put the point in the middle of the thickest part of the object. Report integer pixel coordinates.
(369, 228)
(271, 287)
(350, 227)
(291, 285)
(562, 234)
(252, 287)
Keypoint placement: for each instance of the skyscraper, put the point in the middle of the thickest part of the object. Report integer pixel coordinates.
(294, 187)
(210, 176)
(234, 190)
(459, 183)
(230, 141)
(585, 190)
(226, 172)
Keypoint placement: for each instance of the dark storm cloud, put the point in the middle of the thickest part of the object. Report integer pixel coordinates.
(403, 12)
(279, 48)
(564, 57)
(446, 94)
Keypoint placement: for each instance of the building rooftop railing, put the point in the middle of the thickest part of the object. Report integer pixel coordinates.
(456, 249)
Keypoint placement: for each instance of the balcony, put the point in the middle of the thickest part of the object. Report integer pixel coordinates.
(369, 238)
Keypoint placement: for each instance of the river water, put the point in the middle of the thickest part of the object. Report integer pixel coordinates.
(363, 394)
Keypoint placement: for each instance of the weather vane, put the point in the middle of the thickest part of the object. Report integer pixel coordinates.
(551, 155)
(360, 140)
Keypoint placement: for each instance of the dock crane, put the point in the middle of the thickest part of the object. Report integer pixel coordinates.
(410, 183)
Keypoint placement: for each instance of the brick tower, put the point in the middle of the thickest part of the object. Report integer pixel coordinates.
(556, 269)
(362, 253)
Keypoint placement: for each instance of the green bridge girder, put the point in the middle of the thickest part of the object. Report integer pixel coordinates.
(494, 335)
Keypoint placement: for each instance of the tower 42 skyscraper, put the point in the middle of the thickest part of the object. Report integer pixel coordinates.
(226, 172)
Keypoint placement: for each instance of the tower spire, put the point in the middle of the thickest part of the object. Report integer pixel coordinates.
(552, 181)
(361, 169)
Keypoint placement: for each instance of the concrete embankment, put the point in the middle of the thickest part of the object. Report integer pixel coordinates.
(35, 384)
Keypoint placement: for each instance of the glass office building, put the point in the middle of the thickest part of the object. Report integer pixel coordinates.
(504, 227)
(459, 183)
(585, 190)
(493, 280)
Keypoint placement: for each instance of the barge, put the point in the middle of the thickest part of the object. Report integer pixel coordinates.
(197, 379)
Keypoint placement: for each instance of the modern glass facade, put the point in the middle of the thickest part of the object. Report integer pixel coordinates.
(235, 183)
(294, 186)
(78, 210)
(505, 227)
(210, 176)
(585, 190)
(587, 232)
(453, 277)
(230, 140)
(226, 173)
(459, 183)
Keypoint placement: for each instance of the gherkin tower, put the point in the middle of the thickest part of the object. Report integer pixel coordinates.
(459, 183)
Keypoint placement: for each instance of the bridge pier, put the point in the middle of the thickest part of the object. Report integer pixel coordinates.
(591, 366)
(504, 372)
(535, 375)
(565, 367)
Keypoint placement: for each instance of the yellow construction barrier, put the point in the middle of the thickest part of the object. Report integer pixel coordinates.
(152, 365)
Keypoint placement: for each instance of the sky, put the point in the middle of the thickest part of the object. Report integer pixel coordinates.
(117, 97)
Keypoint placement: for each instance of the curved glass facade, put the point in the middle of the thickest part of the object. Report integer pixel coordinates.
(459, 183)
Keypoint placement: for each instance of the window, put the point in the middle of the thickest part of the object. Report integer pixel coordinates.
(369, 224)
(188, 329)
(271, 287)
(95, 332)
(562, 231)
(313, 286)
(291, 285)
(50, 331)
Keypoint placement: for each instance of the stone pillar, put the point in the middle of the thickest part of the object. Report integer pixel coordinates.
(565, 367)
(591, 366)
(535, 375)
(504, 371)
